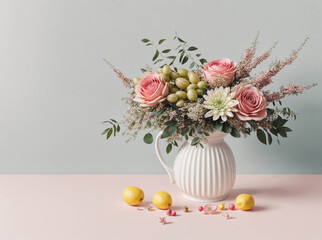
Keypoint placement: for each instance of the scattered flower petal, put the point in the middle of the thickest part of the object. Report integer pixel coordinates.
(209, 208)
(149, 208)
(163, 220)
(226, 215)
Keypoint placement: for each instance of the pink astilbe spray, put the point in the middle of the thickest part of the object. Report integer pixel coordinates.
(257, 61)
(265, 78)
(127, 82)
(246, 60)
(248, 66)
(292, 89)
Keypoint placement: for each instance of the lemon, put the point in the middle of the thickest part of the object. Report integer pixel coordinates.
(162, 200)
(245, 202)
(133, 196)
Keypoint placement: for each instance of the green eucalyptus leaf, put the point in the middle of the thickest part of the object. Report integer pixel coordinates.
(273, 131)
(143, 70)
(198, 55)
(226, 128)
(148, 138)
(118, 128)
(161, 41)
(184, 131)
(156, 55)
(279, 122)
(172, 57)
(282, 132)
(166, 51)
(181, 40)
(160, 112)
(192, 49)
(169, 130)
(195, 141)
(261, 136)
(217, 125)
(192, 65)
(202, 60)
(169, 148)
(145, 40)
(171, 122)
(235, 133)
(191, 132)
(185, 59)
(286, 129)
(109, 133)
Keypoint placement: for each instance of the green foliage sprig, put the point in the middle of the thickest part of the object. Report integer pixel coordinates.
(184, 53)
(115, 128)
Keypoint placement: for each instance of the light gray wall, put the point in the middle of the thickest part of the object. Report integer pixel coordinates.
(55, 89)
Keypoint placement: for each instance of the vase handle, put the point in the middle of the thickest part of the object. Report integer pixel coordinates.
(163, 162)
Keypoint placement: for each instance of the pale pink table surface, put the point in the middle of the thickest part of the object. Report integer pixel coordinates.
(79, 207)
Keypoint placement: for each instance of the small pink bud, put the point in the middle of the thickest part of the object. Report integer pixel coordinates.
(169, 212)
(173, 213)
(231, 206)
(200, 208)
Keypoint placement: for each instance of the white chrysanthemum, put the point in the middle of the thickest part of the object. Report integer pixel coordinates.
(220, 102)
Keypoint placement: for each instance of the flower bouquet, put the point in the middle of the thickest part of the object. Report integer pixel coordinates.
(218, 95)
(202, 105)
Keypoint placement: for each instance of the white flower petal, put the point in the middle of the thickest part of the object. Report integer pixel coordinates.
(209, 114)
(229, 114)
(215, 117)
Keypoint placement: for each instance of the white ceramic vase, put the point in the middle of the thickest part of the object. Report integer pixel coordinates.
(203, 174)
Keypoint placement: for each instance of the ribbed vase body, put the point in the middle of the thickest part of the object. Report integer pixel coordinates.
(205, 174)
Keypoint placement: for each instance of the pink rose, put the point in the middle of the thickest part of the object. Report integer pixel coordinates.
(219, 72)
(251, 104)
(151, 90)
